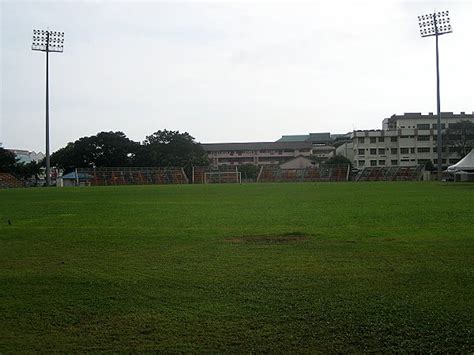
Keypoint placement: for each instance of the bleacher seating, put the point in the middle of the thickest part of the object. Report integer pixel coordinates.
(9, 181)
(273, 173)
(135, 176)
(394, 173)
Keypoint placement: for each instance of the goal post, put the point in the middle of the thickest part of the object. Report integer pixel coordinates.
(219, 177)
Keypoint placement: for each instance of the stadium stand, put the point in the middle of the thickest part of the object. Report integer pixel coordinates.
(273, 173)
(8, 181)
(135, 176)
(390, 173)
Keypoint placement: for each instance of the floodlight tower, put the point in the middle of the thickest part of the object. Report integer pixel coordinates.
(47, 41)
(436, 24)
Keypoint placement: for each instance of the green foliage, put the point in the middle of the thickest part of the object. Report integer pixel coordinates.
(114, 149)
(170, 148)
(9, 164)
(459, 137)
(7, 161)
(156, 269)
(28, 170)
(104, 149)
(338, 160)
(249, 171)
(429, 166)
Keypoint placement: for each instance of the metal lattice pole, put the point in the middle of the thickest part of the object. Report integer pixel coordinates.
(436, 24)
(47, 41)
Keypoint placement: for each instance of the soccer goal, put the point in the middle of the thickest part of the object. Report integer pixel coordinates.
(219, 177)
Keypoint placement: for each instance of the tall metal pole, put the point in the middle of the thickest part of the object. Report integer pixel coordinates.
(436, 24)
(47, 41)
(438, 96)
(48, 165)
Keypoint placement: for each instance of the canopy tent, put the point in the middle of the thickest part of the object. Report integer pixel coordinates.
(465, 165)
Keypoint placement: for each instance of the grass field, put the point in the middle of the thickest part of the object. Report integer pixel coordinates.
(315, 267)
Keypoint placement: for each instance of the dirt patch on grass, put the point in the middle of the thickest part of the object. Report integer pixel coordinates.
(284, 238)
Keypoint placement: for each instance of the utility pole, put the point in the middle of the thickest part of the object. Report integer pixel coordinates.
(47, 41)
(436, 24)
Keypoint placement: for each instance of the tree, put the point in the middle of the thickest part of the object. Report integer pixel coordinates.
(7, 161)
(170, 148)
(104, 149)
(459, 137)
(338, 160)
(249, 171)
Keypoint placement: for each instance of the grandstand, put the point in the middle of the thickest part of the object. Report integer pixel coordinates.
(8, 181)
(273, 173)
(393, 173)
(108, 176)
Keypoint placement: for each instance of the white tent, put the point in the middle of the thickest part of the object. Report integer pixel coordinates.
(465, 165)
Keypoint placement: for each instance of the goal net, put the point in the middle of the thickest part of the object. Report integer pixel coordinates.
(219, 177)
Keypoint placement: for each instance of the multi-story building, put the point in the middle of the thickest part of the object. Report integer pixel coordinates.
(258, 153)
(405, 140)
(317, 145)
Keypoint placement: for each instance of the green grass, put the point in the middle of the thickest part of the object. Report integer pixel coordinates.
(386, 267)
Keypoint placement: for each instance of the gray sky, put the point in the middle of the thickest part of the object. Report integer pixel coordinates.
(226, 72)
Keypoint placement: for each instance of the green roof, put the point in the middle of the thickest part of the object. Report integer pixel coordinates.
(297, 138)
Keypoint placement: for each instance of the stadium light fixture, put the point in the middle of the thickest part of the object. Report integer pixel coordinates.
(47, 41)
(436, 24)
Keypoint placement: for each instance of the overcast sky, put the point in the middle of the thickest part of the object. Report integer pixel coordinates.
(226, 72)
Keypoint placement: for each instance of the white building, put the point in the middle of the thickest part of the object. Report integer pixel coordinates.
(25, 156)
(405, 140)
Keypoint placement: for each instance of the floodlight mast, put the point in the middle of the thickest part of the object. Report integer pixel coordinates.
(436, 24)
(47, 41)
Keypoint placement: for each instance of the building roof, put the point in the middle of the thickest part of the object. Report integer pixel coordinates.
(319, 137)
(294, 138)
(214, 147)
(312, 137)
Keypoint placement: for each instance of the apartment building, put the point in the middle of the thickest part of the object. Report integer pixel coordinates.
(405, 140)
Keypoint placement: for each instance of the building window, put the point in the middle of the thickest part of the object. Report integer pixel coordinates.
(393, 139)
(443, 126)
(435, 149)
(381, 139)
(412, 150)
(373, 151)
(423, 161)
(423, 138)
(361, 151)
(381, 162)
(373, 139)
(423, 150)
(394, 162)
(381, 150)
(404, 150)
(423, 126)
(361, 140)
(393, 151)
(361, 162)
(373, 163)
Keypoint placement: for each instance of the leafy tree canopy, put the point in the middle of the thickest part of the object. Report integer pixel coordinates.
(103, 149)
(7, 161)
(114, 149)
(338, 160)
(459, 137)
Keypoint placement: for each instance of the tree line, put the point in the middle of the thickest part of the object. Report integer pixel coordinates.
(115, 149)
